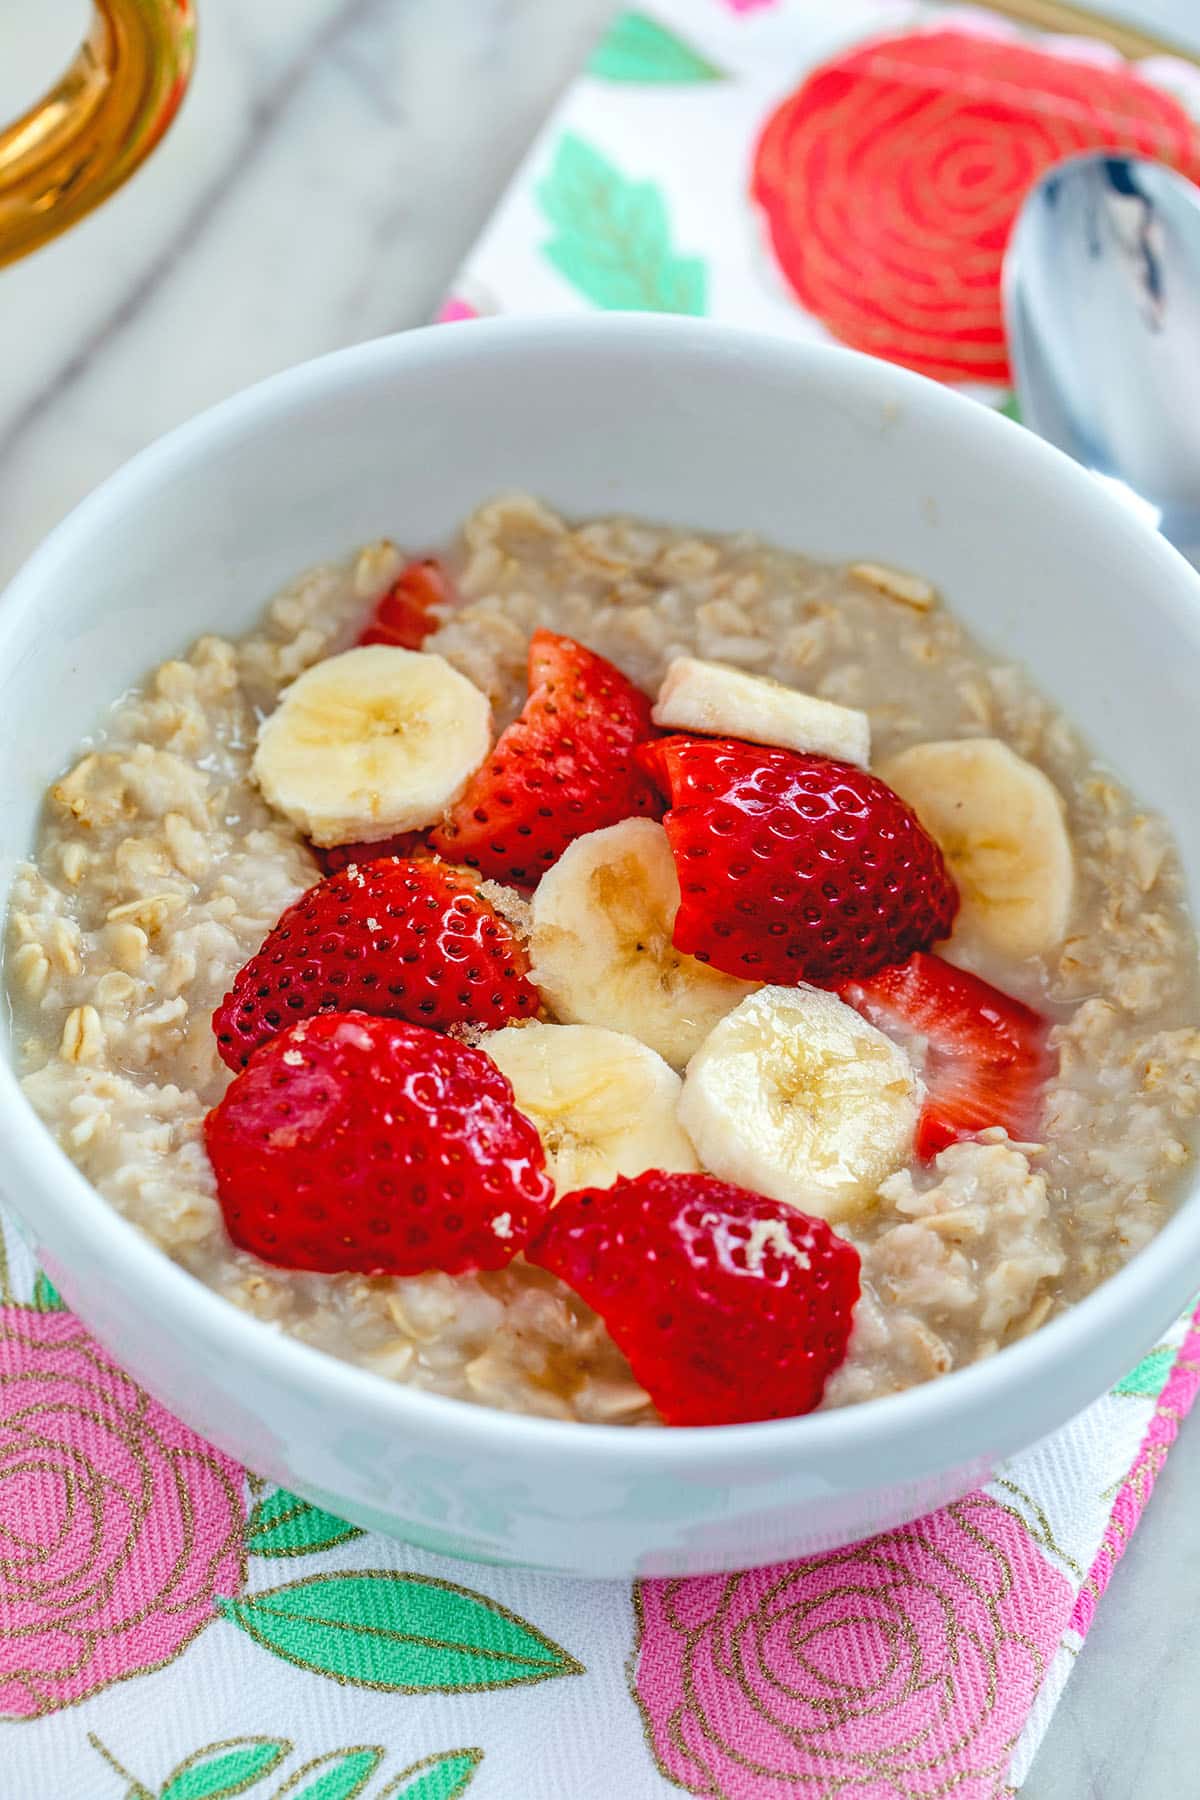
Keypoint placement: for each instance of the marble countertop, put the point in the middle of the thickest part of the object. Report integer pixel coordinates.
(332, 165)
(339, 155)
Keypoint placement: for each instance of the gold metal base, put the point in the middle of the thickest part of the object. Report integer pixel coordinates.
(1080, 21)
(92, 130)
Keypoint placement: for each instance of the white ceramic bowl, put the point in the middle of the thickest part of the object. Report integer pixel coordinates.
(818, 449)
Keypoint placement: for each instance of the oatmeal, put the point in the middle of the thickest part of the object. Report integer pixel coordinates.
(161, 869)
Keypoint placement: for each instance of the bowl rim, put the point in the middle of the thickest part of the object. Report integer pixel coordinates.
(38, 1167)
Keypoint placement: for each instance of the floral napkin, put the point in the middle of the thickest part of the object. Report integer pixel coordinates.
(172, 1628)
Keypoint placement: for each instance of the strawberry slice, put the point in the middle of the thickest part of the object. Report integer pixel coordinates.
(564, 767)
(333, 858)
(353, 1142)
(405, 615)
(793, 866)
(985, 1058)
(729, 1306)
(409, 940)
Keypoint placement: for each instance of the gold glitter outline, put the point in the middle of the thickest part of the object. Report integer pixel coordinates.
(873, 1764)
(569, 1664)
(392, 1791)
(330, 1757)
(282, 1745)
(125, 1420)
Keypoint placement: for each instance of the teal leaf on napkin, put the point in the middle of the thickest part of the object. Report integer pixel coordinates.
(338, 1775)
(284, 1525)
(402, 1634)
(638, 48)
(442, 1777)
(612, 237)
(1148, 1380)
(221, 1770)
(46, 1297)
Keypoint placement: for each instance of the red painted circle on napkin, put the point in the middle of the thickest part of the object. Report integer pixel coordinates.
(891, 178)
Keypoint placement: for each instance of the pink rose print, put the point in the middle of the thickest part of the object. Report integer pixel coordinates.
(1174, 1403)
(453, 309)
(117, 1524)
(900, 1667)
(467, 299)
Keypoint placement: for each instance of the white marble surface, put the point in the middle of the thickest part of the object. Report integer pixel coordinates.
(333, 163)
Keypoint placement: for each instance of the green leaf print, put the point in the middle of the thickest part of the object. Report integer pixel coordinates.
(1148, 1380)
(284, 1525)
(46, 1297)
(638, 48)
(441, 1777)
(219, 1771)
(612, 238)
(1011, 410)
(340, 1775)
(402, 1634)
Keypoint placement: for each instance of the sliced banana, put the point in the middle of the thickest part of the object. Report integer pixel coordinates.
(601, 943)
(370, 743)
(796, 1096)
(1001, 826)
(603, 1103)
(724, 702)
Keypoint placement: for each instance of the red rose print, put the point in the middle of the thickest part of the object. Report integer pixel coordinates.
(890, 180)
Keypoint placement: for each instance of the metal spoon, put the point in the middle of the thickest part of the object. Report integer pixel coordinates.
(1102, 306)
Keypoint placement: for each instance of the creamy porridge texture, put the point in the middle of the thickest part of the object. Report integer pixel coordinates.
(160, 869)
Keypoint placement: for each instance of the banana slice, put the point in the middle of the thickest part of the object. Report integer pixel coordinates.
(1001, 827)
(371, 743)
(601, 943)
(725, 702)
(796, 1096)
(604, 1105)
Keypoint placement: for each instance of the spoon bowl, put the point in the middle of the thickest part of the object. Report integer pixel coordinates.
(1102, 304)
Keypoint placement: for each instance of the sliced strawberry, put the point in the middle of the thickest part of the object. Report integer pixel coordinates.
(565, 767)
(729, 1306)
(351, 1142)
(334, 857)
(411, 940)
(985, 1057)
(794, 867)
(406, 614)
(652, 758)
